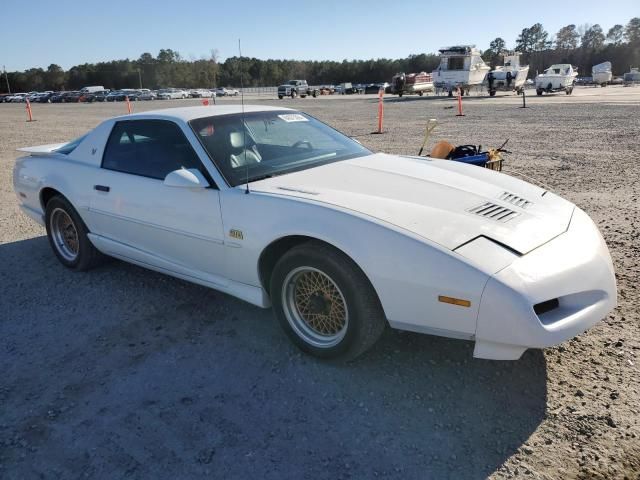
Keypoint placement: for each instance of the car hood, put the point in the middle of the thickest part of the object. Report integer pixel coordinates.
(447, 202)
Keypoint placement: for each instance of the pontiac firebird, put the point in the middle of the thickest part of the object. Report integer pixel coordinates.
(274, 207)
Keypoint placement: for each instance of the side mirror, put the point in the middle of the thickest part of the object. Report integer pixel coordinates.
(186, 178)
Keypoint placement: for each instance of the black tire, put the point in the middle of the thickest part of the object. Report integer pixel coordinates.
(280, 97)
(366, 319)
(303, 96)
(87, 255)
(420, 94)
(539, 92)
(492, 93)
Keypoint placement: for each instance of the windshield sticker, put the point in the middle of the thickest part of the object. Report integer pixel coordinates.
(293, 117)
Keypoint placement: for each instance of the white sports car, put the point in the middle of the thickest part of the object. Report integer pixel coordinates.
(276, 208)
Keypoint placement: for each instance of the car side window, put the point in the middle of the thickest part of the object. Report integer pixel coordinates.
(149, 148)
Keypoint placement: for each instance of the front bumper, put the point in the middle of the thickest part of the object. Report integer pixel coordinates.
(575, 268)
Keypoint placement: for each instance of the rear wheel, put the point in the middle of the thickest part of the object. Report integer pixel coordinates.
(539, 92)
(280, 97)
(67, 235)
(325, 303)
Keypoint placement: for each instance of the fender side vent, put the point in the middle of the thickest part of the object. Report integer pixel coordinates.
(494, 212)
(544, 307)
(515, 200)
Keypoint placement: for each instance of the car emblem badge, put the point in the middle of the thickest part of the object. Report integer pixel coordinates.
(237, 234)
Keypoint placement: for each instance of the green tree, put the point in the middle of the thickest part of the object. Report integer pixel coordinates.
(496, 47)
(593, 38)
(567, 38)
(632, 31)
(533, 39)
(615, 34)
(54, 77)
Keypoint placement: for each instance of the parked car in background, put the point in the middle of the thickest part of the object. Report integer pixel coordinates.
(375, 87)
(19, 97)
(122, 95)
(226, 92)
(171, 94)
(295, 88)
(93, 89)
(147, 95)
(44, 97)
(100, 96)
(201, 93)
(346, 88)
(58, 97)
(74, 97)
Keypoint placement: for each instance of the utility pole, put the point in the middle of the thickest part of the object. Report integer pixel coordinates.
(140, 78)
(6, 78)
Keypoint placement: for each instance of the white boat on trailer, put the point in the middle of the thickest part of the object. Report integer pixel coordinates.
(509, 77)
(602, 74)
(632, 76)
(560, 77)
(462, 67)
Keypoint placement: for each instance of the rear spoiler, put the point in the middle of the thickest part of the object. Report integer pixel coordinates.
(42, 149)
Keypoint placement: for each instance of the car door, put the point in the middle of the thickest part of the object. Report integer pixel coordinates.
(175, 228)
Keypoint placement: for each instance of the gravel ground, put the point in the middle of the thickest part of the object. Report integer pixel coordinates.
(125, 373)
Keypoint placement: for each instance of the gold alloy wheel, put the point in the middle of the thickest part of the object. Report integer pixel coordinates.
(315, 307)
(64, 234)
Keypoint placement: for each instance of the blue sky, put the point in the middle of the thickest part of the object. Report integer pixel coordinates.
(70, 32)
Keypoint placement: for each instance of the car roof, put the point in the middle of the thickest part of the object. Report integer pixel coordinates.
(187, 114)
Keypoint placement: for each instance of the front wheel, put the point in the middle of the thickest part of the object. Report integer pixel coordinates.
(67, 235)
(539, 92)
(280, 97)
(325, 303)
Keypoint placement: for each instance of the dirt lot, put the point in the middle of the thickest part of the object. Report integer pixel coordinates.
(122, 372)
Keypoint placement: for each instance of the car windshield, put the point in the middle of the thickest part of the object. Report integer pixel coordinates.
(271, 143)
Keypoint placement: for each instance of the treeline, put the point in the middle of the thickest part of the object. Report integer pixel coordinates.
(582, 46)
(169, 69)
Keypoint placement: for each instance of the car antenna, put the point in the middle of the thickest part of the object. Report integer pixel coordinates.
(244, 129)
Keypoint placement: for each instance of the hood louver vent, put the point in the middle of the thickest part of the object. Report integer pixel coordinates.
(494, 212)
(515, 200)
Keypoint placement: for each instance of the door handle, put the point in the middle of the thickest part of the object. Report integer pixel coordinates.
(101, 188)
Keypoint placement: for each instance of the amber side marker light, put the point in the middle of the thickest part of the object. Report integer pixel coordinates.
(454, 301)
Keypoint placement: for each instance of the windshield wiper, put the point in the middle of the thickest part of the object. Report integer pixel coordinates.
(262, 177)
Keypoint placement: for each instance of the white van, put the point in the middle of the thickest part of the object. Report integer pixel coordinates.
(93, 89)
